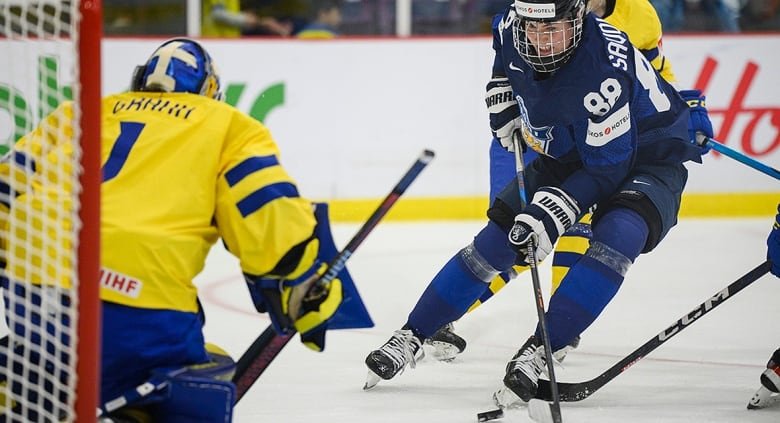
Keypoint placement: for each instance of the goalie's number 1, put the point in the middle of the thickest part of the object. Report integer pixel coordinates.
(128, 135)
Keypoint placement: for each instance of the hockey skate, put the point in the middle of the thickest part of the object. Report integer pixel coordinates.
(446, 343)
(522, 375)
(391, 358)
(769, 392)
(561, 353)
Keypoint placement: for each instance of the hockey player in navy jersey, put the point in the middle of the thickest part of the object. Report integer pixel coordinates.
(639, 20)
(610, 133)
(769, 391)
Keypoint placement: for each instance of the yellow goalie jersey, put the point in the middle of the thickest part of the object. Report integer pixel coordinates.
(639, 20)
(180, 171)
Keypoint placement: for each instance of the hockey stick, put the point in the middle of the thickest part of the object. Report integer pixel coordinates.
(554, 408)
(133, 395)
(579, 391)
(736, 155)
(269, 344)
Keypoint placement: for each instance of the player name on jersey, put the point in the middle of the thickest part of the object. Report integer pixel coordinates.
(158, 104)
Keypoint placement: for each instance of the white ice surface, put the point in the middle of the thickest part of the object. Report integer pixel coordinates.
(707, 373)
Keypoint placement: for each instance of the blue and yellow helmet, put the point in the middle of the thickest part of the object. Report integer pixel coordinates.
(179, 65)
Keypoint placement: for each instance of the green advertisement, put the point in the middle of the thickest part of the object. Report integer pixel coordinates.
(51, 92)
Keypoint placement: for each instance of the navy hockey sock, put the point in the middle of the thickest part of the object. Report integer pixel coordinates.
(461, 281)
(593, 281)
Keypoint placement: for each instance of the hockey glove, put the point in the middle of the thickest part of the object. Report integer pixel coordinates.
(773, 245)
(549, 215)
(303, 304)
(311, 304)
(504, 111)
(699, 121)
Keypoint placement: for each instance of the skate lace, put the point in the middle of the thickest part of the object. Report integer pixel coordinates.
(399, 348)
(530, 362)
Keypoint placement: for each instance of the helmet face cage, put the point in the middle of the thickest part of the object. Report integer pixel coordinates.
(179, 65)
(546, 34)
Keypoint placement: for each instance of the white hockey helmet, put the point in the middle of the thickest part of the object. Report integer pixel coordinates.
(544, 45)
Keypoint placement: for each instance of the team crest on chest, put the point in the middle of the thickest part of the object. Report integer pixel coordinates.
(537, 138)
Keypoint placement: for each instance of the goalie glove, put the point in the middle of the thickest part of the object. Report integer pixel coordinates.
(311, 305)
(504, 111)
(549, 215)
(304, 304)
(699, 125)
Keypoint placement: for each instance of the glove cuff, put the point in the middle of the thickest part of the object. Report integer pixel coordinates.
(554, 204)
(500, 97)
(694, 98)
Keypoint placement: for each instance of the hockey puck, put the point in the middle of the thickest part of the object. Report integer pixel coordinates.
(490, 415)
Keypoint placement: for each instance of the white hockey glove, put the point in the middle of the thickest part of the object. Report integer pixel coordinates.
(504, 111)
(549, 215)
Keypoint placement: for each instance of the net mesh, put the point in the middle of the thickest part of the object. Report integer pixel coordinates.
(39, 203)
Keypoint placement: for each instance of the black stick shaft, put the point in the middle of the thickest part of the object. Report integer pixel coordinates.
(555, 407)
(269, 344)
(579, 391)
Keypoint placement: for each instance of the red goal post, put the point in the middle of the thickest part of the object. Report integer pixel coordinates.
(50, 209)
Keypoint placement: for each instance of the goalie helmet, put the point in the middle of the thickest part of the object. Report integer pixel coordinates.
(179, 65)
(546, 32)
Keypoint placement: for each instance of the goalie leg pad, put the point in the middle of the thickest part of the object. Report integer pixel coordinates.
(198, 392)
(196, 399)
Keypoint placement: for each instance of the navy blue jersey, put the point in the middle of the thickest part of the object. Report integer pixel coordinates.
(606, 108)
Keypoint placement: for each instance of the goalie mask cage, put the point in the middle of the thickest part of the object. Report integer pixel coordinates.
(49, 209)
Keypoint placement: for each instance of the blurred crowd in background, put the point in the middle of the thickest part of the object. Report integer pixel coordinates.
(330, 18)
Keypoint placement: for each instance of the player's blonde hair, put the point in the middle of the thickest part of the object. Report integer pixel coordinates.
(598, 7)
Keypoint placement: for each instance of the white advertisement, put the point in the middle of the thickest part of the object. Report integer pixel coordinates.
(33, 80)
(739, 76)
(350, 115)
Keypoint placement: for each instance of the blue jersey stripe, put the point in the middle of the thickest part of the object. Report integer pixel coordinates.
(651, 54)
(566, 259)
(248, 166)
(256, 200)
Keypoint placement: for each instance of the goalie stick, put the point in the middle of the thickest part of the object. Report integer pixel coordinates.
(269, 344)
(579, 391)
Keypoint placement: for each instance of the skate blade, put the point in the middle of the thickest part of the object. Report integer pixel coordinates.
(763, 398)
(444, 352)
(505, 398)
(372, 379)
(540, 411)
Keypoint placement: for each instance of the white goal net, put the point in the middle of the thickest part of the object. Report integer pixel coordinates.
(49, 205)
